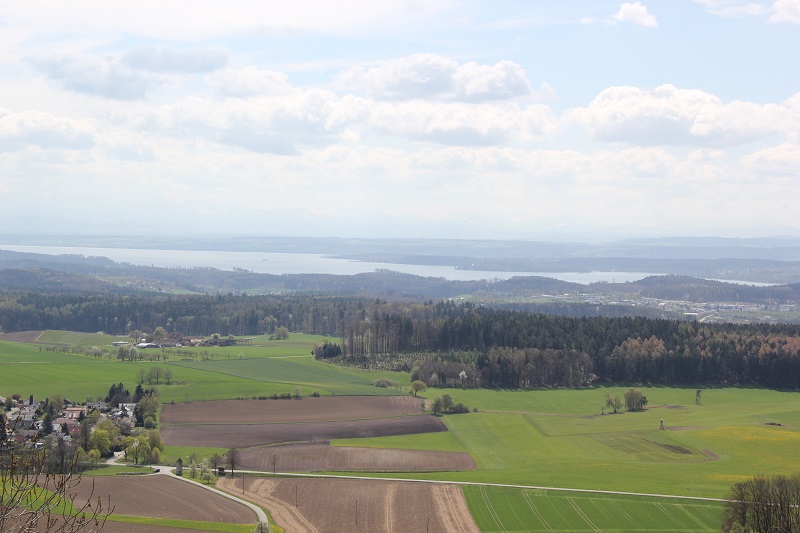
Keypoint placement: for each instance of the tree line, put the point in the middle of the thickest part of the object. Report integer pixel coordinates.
(494, 347)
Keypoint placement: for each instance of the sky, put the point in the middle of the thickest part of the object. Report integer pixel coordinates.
(401, 118)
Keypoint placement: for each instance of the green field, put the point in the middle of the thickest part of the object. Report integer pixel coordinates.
(216, 373)
(501, 509)
(540, 438)
(702, 452)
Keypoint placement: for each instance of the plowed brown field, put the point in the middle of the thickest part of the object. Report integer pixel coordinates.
(321, 457)
(355, 505)
(21, 336)
(162, 496)
(248, 435)
(328, 408)
(247, 423)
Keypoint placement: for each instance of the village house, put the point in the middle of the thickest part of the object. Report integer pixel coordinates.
(74, 413)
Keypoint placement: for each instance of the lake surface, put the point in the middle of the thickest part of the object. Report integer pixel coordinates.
(291, 263)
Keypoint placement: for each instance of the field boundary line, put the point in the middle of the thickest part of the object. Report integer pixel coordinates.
(624, 513)
(500, 485)
(491, 510)
(670, 515)
(582, 514)
(527, 497)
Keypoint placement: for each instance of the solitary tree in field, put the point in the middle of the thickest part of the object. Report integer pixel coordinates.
(613, 402)
(447, 403)
(418, 386)
(233, 459)
(215, 460)
(635, 400)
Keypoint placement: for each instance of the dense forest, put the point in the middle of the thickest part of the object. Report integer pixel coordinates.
(501, 348)
(449, 343)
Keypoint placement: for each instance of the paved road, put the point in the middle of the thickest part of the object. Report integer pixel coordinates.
(169, 470)
(262, 516)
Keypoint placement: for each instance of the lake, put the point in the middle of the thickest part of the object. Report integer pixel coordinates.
(292, 263)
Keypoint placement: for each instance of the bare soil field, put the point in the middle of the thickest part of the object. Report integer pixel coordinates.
(355, 505)
(21, 336)
(249, 435)
(162, 496)
(324, 409)
(322, 457)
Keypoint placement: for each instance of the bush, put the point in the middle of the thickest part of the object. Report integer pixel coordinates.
(315, 394)
(459, 409)
(384, 383)
(326, 350)
(635, 400)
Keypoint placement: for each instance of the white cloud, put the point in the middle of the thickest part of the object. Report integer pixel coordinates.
(667, 115)
(504, 80)
(786, 11)
(635, 13)
(18, 130)
(279, 125)
(167, 60)
(127, 146)
(780, 10)
(781, 160)
(249, 81)
(462, 124)
(433, 76)
(101, 77)
(732, 8)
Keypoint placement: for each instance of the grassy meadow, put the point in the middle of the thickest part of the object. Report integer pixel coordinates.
(208, 373)
(541, 438)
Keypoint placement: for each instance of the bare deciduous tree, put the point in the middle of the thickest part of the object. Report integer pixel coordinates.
(764, 504)
(32, 499)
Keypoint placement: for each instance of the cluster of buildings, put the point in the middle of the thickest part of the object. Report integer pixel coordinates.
(24, 425)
